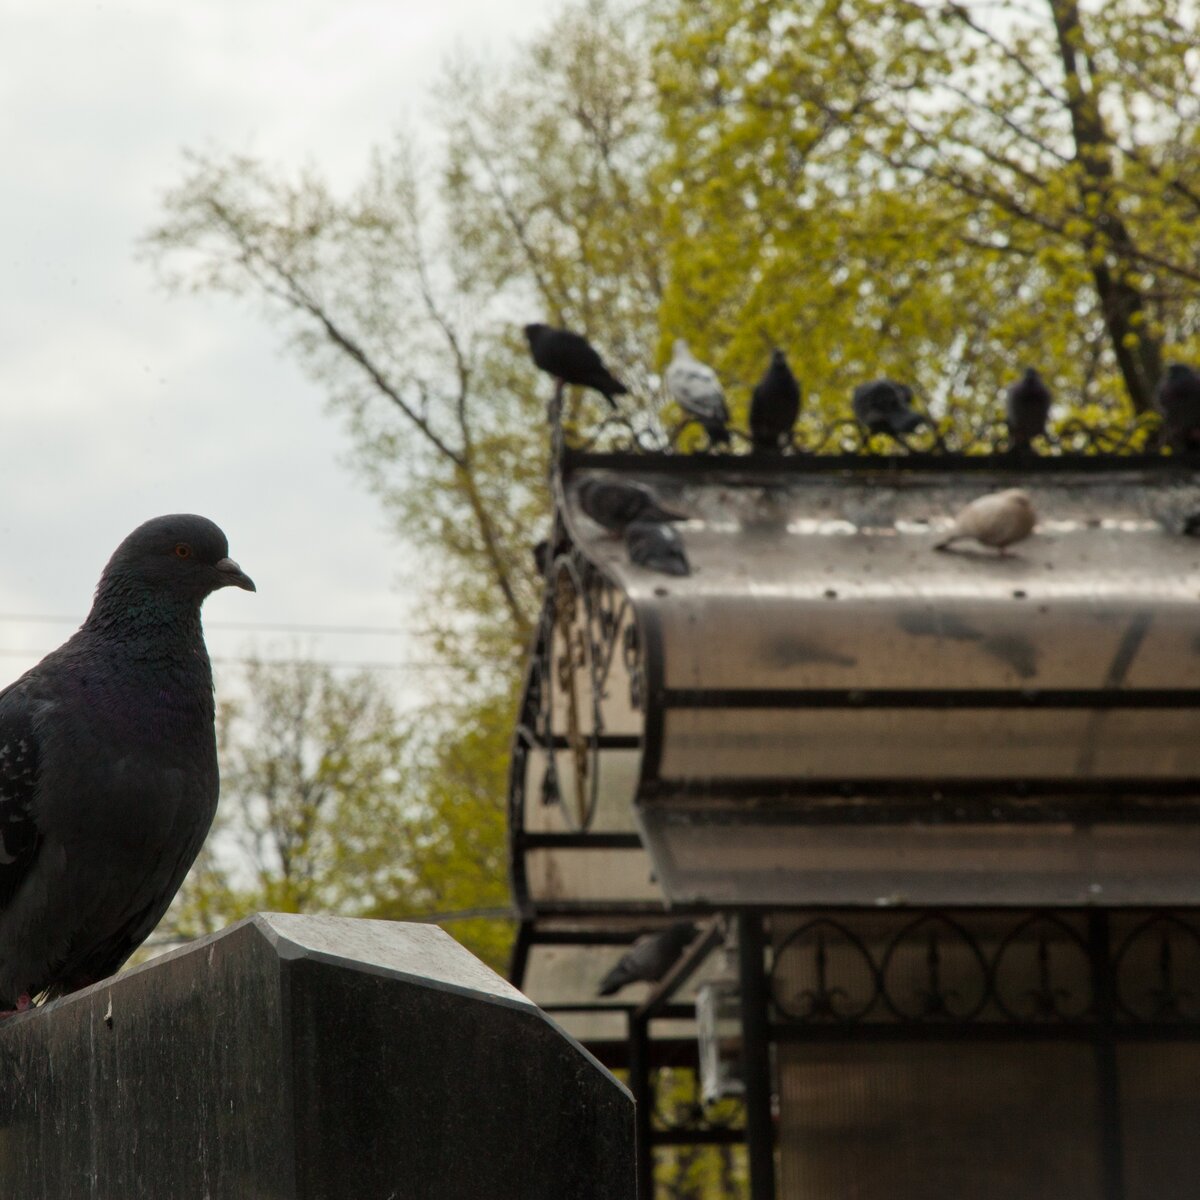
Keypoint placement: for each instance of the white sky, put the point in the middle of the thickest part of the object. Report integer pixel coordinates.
(119, 403)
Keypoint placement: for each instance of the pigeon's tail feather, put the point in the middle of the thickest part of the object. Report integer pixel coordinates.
(947, 542)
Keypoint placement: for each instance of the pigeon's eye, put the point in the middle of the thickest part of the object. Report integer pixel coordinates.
(183, 550)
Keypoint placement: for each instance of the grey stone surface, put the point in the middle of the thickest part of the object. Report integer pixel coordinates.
(307, 1057)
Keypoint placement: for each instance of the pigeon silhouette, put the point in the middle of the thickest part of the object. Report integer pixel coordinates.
(615, 503)
(656, 547)
(108, 765)
(570, 358)
(885, 406)
(1027, 408)
(774, 405)
(649, 958)
(1178, 399)
(695, 388)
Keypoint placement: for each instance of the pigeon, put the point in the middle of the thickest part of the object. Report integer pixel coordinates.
(1027, 408)
(570, 358)
(696, 389)
(1178, 399)
(108, 765)
(649, 958)
(774, 405)
(998, 519)
(656, 547)
(615, 504)
(885, 406)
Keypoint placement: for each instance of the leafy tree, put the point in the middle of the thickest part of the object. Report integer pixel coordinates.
(325, 807)
(938, 190)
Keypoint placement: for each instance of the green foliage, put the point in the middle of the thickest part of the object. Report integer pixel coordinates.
(933, 191)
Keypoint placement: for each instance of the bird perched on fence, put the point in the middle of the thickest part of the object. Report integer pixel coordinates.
(656, 547)
(885, 406)
(108, 765)
(694, 386)
(999, 519)
(774, 405)
(570, 358)
(615, 503)
(1178, 399)
(649, 958)
(1027, 408)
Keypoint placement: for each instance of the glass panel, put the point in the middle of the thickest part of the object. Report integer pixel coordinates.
(714, 857)
(601, 876)
(911, 1122)
(1160, 1112)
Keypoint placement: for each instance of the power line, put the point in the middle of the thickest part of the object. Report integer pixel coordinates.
(244, 626)
(336, 663)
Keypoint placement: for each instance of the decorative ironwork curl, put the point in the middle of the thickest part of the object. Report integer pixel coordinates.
(936, 1001)
(1162, 995)
(1044, 999)
(823, 1000)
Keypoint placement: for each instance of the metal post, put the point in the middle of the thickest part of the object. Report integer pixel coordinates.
(639, 1085)
(756, 1057)
(1108, 1084)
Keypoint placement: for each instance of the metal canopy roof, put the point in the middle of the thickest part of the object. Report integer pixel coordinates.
(826, 712)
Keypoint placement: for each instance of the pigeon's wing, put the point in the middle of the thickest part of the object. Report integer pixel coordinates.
(695, 388)
(19, 771)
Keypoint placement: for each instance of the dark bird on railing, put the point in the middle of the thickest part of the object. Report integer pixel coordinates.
(885, 406)
(774, 405)
(694, 386)
(649, 958)
(108, 765)
(1191, 525)
(656, 547)
(999, 520)
(1178, 399)
(616, 504)
(570, 358)
(1027, 408)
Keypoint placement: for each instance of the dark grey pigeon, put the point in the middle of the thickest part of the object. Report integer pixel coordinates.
(656, 547)
(108, 765)
(569, 357)
(1027, 408)
(615, 504)
(649, 958)
(1178, 399)
(774, 405)
(885, 406)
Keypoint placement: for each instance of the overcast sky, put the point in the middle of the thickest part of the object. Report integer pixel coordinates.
(120, 403)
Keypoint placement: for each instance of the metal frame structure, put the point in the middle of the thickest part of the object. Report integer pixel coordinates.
(1130, 971)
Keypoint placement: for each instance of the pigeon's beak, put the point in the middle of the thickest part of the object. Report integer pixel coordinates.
(235, 576)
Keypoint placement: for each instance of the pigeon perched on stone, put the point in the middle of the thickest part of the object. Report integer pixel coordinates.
(1178, 399)
(885, 406)
(615, 503)
(656, 547)
(998, 519)
(774, 405)
(108, 765)
(649, 958)
(1027, 408)
(695, 388)
(570, 358)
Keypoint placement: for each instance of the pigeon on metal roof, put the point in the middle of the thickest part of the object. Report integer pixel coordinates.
(1027, 408)
(998, 519)
(694, 386)
(774, 405)
(1178, 399)
(108, 765)
(649, 958)
(885, 406)
(615, 503)
(656, 547)
(571, 358)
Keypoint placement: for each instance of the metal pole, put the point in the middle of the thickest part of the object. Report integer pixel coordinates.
(639, 1085)
(1108, 1084)
(756, 1057)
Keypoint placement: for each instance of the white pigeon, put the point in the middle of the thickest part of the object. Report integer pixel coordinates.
(694, 386)
(999, 519)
